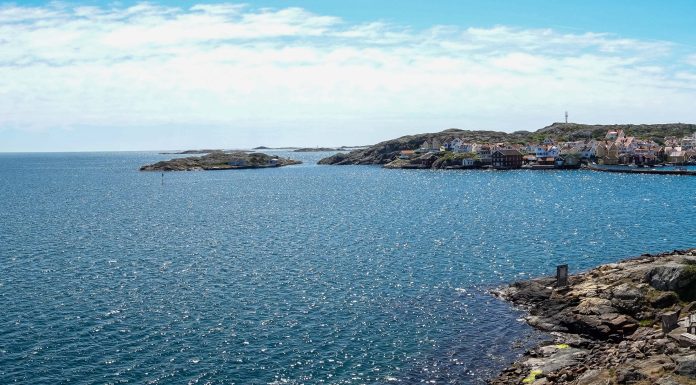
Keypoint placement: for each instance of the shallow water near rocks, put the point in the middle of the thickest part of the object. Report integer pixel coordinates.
(302, 274)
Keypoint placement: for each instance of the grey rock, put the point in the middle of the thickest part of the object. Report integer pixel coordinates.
(590, 377)
(629, 376)
(686, 366)
(628, 299)
(690, 308)
(665, 299)
(626, 291)
(563, 358)
(670, 276)
(666, 381)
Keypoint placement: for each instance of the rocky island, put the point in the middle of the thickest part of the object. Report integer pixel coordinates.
(560, 145)
(189, 152)
(316, 149)
(221, 160)
(621, 323)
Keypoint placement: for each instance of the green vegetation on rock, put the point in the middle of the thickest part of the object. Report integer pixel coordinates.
(387, 151)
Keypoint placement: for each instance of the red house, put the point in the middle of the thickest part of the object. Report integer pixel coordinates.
(506, 159)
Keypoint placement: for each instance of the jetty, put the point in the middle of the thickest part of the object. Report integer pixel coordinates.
(641, 170)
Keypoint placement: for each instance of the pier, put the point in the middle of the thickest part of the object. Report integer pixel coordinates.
(627, 170)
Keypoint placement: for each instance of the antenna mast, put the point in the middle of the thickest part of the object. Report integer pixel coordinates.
(566, 116)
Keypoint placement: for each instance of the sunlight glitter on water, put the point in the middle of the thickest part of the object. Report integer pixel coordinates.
(307, 274)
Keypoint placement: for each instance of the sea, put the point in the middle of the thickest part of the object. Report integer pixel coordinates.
(303, 274)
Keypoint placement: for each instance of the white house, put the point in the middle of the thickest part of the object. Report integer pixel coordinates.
(433, 145)
(689, 142)
(483, 152)
(454, 144)
(458, 145)
(547, 152)
(587, 151)
(626, 144)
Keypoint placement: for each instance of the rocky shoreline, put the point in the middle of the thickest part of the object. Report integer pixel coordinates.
(221, 160)
(389, 151)
(606, 324)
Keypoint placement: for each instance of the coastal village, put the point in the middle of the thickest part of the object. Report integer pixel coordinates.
(616, 148)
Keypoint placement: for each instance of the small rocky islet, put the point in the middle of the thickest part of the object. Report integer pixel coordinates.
(318, 149)
(606, 324)
(221, 160)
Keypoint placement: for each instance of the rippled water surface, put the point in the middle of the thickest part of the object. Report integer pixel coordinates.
(304, 274)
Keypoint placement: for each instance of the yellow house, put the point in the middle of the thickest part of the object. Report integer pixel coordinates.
(607, 153)
(600, 151)
(612, 156)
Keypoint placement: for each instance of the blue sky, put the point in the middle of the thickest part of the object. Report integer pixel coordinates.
(645, 19)
(166, 75)
(669, 20)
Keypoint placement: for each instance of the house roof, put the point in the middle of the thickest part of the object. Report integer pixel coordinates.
(506, 151)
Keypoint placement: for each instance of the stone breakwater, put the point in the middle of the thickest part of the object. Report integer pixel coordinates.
(605, 326)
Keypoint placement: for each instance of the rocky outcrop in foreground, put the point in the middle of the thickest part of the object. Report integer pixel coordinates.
(220, 160)
(606, 325)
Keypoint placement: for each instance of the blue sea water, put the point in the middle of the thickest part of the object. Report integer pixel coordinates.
(304, 274)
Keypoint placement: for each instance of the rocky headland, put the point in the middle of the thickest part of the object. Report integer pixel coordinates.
(221, 160)
(606, 324)
(386, 152)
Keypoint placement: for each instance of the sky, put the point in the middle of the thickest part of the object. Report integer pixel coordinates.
(96, 76)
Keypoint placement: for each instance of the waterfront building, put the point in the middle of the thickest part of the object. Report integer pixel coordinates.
(484, 153)
(689, 142)
(506, 159)
(675, 154)
(607, 153)
(587, 151)
(547, 151)
(612, 156)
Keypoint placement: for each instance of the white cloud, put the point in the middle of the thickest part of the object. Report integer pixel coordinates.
(691, 59)
(297, 73)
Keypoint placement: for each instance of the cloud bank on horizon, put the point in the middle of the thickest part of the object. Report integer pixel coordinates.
(150, 77)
